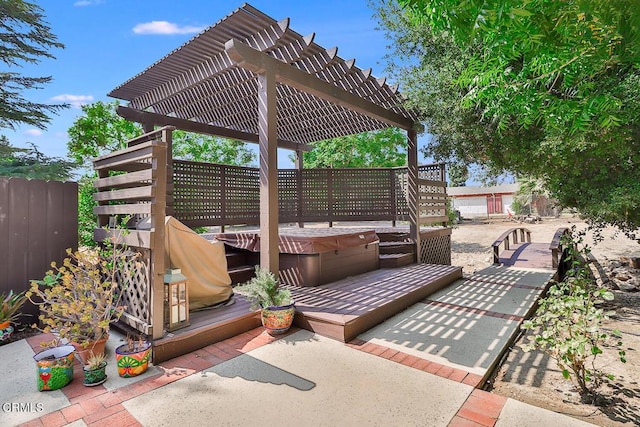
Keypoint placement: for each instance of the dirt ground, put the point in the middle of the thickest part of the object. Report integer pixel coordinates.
(533, 377)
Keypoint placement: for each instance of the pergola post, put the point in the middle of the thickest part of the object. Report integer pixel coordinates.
(268, 143)
(299, 167)
(413, 190)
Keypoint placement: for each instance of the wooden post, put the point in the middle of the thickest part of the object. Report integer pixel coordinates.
(413, 190)
(156, 276)
(393, 177)
(167, 136)
(299, 167)
(268, 143)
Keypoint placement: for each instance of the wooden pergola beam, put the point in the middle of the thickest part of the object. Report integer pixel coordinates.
(146, 117)
(258, 62)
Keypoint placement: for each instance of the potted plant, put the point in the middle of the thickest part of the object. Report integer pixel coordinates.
(54, 367)
(79, 299)
(275, 303)
(10, 305)
(133, 357)
(95, 370)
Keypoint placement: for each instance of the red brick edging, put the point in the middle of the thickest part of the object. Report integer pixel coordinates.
(97, 406)
(481, 409)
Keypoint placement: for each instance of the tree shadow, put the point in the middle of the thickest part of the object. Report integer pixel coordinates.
(250, 368)
(617, 408)
(527, 368)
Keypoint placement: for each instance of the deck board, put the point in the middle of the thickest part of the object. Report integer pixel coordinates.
(343, 309)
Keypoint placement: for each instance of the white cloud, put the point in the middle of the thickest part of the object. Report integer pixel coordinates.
(33, 132)
(164, 27)
(81, 3)
(74, 100)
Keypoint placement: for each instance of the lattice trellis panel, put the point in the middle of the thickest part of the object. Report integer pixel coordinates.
(362, 193)
(436, 250)
(288, 195)
(133, 280)
(316, 192)
(435, 172)
(210, 194)
(432, 201)
(401, 185)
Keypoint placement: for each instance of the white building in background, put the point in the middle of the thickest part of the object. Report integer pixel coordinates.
(473, 201)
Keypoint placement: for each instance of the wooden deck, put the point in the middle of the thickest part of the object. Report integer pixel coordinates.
(342, 310)
(207, 327)
(339, 310)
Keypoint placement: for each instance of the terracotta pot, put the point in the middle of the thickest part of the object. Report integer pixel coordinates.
(55, 367)
(132, 363)
(278, 320)
(85, 353)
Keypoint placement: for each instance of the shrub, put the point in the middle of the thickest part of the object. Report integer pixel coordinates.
(568, 324)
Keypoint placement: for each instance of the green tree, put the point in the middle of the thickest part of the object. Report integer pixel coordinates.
(31, 163)
(25, 37)
(99, 130)
(210, 149)
(458, 174)
(383, 148)
(541, 88)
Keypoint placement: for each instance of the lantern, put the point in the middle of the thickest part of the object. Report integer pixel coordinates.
(176, 300)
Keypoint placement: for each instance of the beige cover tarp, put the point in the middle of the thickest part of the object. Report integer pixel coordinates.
(202, 261)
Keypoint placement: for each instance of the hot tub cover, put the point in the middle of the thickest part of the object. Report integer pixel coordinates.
(303, 240)
(202, 261)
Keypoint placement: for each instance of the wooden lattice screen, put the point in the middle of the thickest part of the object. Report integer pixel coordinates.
(207, 194)
(133, 182)
(435, 248)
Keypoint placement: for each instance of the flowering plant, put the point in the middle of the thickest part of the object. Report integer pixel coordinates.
(79, 299)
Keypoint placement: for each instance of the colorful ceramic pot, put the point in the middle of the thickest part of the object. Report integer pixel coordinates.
(132, 363)
(55, 367)
(278, 320)
(95, 376)
(5, 330)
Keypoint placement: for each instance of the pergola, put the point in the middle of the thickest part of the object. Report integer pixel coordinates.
(252, 78)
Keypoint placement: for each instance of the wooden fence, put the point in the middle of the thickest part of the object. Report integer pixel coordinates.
(206, 194)
(38, 222)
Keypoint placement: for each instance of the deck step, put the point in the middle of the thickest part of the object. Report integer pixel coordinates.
(235, 259)
(396, 260)
(241, 273)
(397, 247)
(397, 236)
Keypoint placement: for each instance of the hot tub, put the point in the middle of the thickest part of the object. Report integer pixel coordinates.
(315, 256)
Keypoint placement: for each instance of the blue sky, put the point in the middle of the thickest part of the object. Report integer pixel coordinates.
(109, 41)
